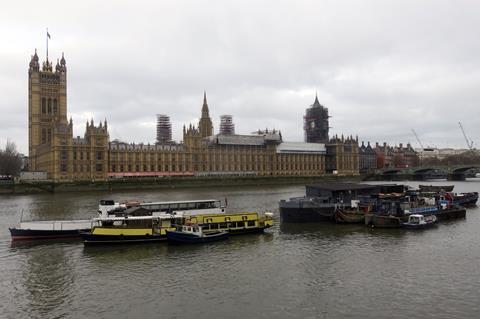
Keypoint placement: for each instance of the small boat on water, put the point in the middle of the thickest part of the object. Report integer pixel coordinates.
(435, 188)
(194, 234)
(418, 221)
(463, 199)
(383, 221)
(348, 216)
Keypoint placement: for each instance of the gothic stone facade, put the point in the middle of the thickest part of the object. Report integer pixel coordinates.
(54, 150)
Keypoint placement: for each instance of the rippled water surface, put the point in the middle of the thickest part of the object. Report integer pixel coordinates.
(291, 271)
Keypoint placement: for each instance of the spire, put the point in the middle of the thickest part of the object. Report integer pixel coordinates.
(316, 103)
(205, 106)
(34, 65)
(62, 60)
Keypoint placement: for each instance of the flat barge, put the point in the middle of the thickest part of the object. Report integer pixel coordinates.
(321, 200)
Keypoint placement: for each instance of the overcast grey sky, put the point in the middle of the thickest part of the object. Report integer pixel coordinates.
(381, 67)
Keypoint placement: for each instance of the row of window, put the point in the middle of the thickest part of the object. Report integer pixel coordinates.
(49, 106)
(86, 168)
(86, 155)
(227, 167)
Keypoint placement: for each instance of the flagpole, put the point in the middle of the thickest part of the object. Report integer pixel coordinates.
(47, 44)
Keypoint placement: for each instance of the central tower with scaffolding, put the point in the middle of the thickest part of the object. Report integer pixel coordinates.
(315, 123)
(164, 129)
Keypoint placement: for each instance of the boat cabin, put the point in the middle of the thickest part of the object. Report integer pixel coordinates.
(192, 207)
(418, 219)
(129, 225)
(191, 229)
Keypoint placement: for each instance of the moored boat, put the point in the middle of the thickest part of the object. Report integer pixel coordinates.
(55, 229)
(321, 200)
(59, 229)
(418, 221)
(463, 199)
(195, 234)
(343, 216)
(383, 221)
(128, 229)
(154, 225)
(234, 223)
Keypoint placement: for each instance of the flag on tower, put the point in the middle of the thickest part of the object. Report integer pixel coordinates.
(48, 34)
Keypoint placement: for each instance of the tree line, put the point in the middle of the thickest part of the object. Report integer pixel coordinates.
(10, 160)
(466, 158)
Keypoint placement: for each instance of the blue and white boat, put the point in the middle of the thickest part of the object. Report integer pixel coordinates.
(418, 221)
(194, 234)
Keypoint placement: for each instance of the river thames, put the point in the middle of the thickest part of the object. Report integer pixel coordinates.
(291, 271)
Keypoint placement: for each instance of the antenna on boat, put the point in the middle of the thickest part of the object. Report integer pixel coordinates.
(21, 216)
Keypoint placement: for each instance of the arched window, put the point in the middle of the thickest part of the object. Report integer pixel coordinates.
(55, 107)
(49, 106)
(44, 106)
(44, 136)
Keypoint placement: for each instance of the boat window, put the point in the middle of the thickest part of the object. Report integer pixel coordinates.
(191, 205)
(182, 206)
(251, 223)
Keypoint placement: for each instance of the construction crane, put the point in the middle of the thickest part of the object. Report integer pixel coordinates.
(418, 140)
(469, 143)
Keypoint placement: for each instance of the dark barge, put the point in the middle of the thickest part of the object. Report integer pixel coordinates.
(321, 200)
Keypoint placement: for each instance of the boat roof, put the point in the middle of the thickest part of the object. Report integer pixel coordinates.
(180, 202)
(416, 215)
(342, 186)
(133, 218)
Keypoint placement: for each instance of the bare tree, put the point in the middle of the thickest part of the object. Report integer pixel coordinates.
(10, 160)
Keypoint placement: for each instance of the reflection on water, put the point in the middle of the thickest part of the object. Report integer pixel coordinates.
(292, 271)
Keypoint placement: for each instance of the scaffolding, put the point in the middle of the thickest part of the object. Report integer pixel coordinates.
(164, 129)
(226, 125)
(315, 124)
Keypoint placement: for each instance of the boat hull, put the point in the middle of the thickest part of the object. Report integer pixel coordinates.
(346, 217)
(418, 226)
(92, 239)
(383, 221)
(32, 234)
(307, 214)
(185, 238)
(466, 200)
(451, 213)
(243, 231)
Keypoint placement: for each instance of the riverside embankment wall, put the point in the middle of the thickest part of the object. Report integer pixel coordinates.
(184, 182)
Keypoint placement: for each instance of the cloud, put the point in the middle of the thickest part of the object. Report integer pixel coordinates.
(382, 68)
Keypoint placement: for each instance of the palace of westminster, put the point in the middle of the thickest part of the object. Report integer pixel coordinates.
(53, 148)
